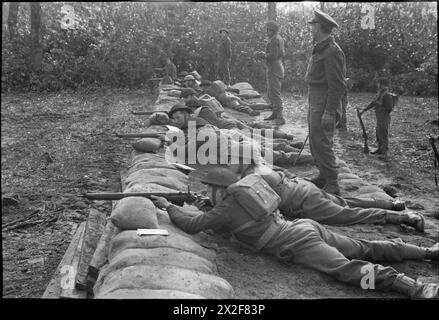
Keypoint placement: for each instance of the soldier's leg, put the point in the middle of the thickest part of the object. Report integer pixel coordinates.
(271, 98)
(385, 133)
(227, 74)
(313, 246)
(315, 204)
(322, 142)
(380, 131)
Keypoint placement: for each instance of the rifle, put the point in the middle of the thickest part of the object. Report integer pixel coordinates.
(178, 198)
(301, 149)
(436, 160)
(147, 112)
(161, 136)
(365, 137)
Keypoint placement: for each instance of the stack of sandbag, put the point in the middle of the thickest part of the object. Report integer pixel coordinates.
(173, 266)
(246, 90)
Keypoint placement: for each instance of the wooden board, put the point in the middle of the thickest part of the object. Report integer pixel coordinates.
(53, 290)
(93, 230)
(71, 292)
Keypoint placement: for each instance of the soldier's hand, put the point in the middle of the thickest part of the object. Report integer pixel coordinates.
(328, 121)
(199, 203)
(160, 202)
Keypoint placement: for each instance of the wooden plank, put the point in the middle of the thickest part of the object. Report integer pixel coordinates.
(93, 230)
(53, 290)
(100, 256)
(71, 292)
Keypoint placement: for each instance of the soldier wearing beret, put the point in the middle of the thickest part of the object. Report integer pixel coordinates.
(274, 52)
(326, 78)
(224, 56)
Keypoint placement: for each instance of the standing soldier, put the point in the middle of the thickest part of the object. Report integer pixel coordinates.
(170, 70)
(274, 52)
(224, 56)
(326, 78)
(383, 103)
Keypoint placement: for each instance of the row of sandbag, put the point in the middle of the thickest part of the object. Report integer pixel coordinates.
(175, 266)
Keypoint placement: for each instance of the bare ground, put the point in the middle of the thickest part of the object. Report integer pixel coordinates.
(75, 131)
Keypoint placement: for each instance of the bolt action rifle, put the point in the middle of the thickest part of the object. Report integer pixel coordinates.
(178, 198)
(365, 137)
(433, 141)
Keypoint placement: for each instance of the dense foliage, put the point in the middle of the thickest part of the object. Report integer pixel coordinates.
(120, 43)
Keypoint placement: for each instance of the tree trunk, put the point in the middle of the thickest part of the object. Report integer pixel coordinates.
(12, 20)
(35, 32)
(322, 6)
(271, 11)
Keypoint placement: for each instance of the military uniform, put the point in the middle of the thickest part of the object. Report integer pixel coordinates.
(224, 56)
(302, 241)
(326, 78)
(274, 53)
(383, 104)
(302, 199)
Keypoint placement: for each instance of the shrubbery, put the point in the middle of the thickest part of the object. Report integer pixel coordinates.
(120, 44)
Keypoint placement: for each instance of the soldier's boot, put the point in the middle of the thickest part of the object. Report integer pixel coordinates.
(377, 151)
(273, 113)
(383, 156)
(280, 120)
(415, 289)
(398, 205)
(432, 253)
(332, 187)
(297, 145)
(409, 218)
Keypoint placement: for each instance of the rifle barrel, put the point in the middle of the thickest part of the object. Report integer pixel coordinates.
(140, 135)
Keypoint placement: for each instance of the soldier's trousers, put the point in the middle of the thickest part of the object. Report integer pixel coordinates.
(382, 131)
(224, 72)
(320, 140)
(233, 103)
(341, 120)
(302, 199)
(308, 243)
(275, 75)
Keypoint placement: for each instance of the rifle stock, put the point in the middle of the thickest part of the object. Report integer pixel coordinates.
(178, 198)
(365, 137)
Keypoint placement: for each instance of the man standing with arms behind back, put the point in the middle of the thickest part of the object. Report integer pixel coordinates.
(224, 56)
(274, 53)
(326, 78)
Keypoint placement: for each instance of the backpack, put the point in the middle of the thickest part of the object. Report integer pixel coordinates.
(255, 195)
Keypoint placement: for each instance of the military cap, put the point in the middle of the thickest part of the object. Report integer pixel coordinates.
(178, 107)
(189, 77)
(206, 83)
(225, 30)
(187, 92)
(272, 25)
(194, 103)
(321, 17)
(220, 177)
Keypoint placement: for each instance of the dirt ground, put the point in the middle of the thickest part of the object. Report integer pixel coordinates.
(57, 146)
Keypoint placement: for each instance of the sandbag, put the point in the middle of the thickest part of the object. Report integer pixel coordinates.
(151, 164)
(147, 145)
(159, 257)
(148, 294)
(167, 277)
(158, 117)
(218, 87)
(152, 187)
(249, 94)
(132, 213)
(130, 240)
(173, 182)
(158, 172)
(137, 156)
(241, 86)
(174, 93)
